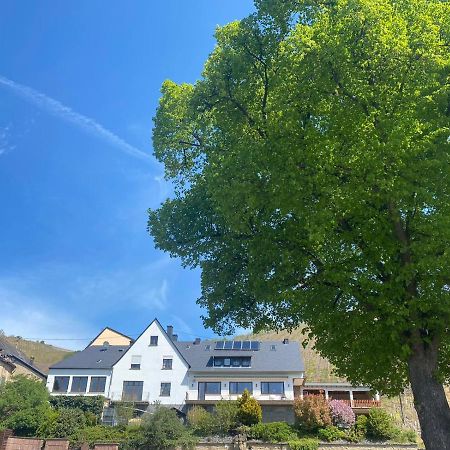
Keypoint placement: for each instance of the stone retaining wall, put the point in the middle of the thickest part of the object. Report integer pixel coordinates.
(256, 445)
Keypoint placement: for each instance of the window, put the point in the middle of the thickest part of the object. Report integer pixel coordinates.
(272, 387)
(135, 362)
(153, 341)
(246, 362)
(237, 361)
(167, 364)
(165, 390)
(132, 391)
(246, 345)
(208, 347)
(238, 387)
(60, 384)
(79, 384)
(97, 384)
(228, 345)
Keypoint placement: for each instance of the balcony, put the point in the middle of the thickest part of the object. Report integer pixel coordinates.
(131, 397)
(364, 404)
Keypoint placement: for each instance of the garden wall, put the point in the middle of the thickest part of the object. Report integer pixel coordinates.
(254, 445)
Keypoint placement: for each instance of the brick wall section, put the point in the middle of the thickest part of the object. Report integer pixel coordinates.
(4, 435)
(106, 447)
(56, 444)
(15, 443)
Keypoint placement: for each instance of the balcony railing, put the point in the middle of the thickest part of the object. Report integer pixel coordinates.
(363, 403)
(130, 397)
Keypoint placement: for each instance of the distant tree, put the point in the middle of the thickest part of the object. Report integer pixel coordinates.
(311, 170)
(24, 405)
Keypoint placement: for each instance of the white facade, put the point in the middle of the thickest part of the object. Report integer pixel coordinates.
(147, 359)
(255, 379)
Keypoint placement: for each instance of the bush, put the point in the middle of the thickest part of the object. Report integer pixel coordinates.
(93, 405)
(312, 413)
(342, 414)
(100, 433)
(331, 434)
(24, 405)
(380, 425)
(226, 416)
(163, 430)
(272, 432)
(63, 423)
(201, 421)
(249, 410)
(304, 444)
(404, 436)
(359, 430)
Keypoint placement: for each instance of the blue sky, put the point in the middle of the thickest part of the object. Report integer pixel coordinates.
(79, 84)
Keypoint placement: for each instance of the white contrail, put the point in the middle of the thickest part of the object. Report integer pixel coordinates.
(87, 124)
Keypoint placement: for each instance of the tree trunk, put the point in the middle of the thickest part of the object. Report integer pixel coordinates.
(429, 397)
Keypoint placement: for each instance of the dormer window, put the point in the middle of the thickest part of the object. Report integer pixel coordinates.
(153, 341)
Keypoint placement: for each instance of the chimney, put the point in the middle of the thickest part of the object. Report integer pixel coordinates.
(285, 341)
(170, 330)
(174, 337)
(197, 341)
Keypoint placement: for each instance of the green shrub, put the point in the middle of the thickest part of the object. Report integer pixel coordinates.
(380, 425)
(163, 430)
(104, 434)
(249, 410)
(304, 444)
(24, 405)
(312, 413)
(404, 436)
(92, 405)
(200, 421)
(225, 416)
(331, 434)
(63, 423)
(272, 432)
(359, 430)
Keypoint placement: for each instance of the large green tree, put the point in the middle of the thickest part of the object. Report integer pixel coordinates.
(311, 170)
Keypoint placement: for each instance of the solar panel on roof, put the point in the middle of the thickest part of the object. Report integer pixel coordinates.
(254, 345)
(228, 345)
(219, 345)
(237, 345)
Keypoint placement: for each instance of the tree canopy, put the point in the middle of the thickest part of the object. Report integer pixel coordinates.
(311, 168)
(24, 405)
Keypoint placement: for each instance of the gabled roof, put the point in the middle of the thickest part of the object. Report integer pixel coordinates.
(93, 357)
(155, 320)
(284, 358)
(114, 331)
(12, 353)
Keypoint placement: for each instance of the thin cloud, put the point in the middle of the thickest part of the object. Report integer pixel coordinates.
(63, 112)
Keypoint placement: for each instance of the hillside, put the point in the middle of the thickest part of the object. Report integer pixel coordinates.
(44, 354)
(317, 367)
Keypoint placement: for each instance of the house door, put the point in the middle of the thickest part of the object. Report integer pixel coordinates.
(201, 391)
